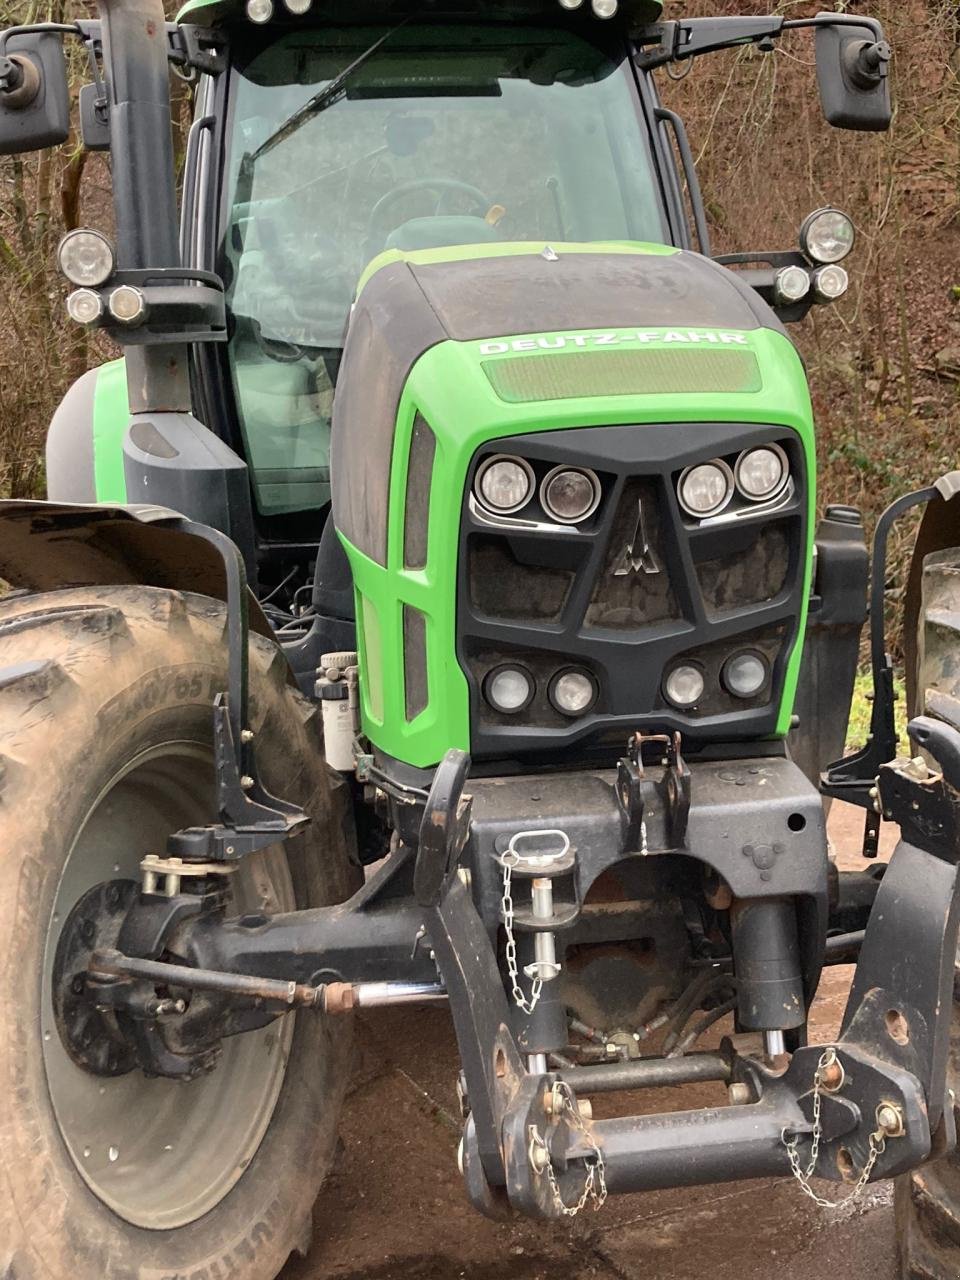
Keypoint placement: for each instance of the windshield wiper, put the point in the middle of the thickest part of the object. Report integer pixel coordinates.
(325, 97)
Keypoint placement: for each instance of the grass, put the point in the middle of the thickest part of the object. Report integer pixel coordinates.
(862, 707)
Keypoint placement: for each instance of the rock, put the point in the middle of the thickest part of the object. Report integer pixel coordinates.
(947, 361)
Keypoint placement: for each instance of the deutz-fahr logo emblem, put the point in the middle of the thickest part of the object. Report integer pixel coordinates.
(637, 556)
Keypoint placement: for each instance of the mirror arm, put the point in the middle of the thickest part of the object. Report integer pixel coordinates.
(39, 29)
(681, 39)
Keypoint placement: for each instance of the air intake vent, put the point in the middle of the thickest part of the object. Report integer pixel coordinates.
(416, 509)
(502, 586)
(653, 371)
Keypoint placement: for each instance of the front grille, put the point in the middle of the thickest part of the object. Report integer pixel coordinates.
(627, 593)
(633, 588)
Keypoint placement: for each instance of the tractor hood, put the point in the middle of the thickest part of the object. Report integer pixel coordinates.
(535, 323)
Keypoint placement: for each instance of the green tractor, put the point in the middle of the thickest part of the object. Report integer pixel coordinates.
(431, 606)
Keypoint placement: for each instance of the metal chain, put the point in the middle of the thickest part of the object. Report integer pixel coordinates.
(513, 971)
(595, 1182)
(803, 1176)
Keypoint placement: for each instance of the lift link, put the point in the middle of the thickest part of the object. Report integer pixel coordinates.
(112, 967)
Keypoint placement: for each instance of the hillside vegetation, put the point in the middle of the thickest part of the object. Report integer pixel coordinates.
(884, 363)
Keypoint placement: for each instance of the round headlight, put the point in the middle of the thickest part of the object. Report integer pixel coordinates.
(508, 689)
(790, 285)
(298, 7)
(762, 472)
(86, 258)
(504, 484)
(84, 306)
(127, 305)
(744, 675)
(570, 4)
(573, 692)
(259, 11)
(706, 488)
(683, 686)
(569, 494)
(605, 8)
(827, 235)
(830, 283)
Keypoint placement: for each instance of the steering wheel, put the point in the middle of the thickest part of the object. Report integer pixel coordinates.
(441, 185)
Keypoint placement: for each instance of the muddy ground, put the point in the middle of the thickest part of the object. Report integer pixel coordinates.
(395, 1208)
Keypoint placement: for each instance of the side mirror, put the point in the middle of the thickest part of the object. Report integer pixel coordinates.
(34, 95)
(852, 65)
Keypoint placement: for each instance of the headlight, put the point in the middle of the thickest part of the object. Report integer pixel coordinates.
(706, 488)
(504, 484)
(127, 305)
(744, 675)
(573, 692)
(259, 11)
(790, 284)
(827, 235)
(569, 494)
(508, 689)
(86, 258)
(605, 8)
(683, 686)
(762, 472)
(84, 306)
(830, 283)
(298, 7)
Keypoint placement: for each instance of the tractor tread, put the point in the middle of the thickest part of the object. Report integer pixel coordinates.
(89, 678)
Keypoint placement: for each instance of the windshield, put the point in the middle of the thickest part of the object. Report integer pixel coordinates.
(443, 136)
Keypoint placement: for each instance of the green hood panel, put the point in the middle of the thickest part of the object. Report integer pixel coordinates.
(111, 417)
(449, 388)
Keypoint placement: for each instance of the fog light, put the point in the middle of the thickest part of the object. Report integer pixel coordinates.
(504, 484)
(827, 235)
(604, 8)
(573, 692)
(744, 675)
(84, 306)
(790, 285)
(259, 11)
(761, 472)
(570, 495)
(86, 258)
(684, 686)
(508, 689)
(706, 488)
(127, 305)
(830, 283)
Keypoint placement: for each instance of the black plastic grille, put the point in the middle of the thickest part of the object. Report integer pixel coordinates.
(627, 593)
(633, 588)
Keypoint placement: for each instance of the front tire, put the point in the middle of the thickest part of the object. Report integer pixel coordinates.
(105, 748)
(927, 1200)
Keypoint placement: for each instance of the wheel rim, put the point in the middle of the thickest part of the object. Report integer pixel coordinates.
(162, 1153)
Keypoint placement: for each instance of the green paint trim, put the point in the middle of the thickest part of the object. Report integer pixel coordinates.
(111, 416)
(448, 387)
(507, 249)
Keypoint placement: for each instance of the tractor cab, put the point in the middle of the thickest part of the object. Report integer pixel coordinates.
(443, 134)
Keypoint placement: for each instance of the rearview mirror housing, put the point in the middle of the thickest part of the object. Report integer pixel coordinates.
(35, 108)
(852, 65)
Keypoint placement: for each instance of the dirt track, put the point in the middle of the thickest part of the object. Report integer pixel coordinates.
(395, 1208)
